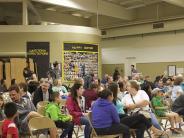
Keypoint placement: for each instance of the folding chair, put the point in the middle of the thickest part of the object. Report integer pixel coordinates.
(40, 123)
(41, 110)
(160, 119)
(42, 103)
(94, 134)
(1, 123)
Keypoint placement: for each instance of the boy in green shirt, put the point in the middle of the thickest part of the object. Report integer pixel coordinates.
(61, 120)
(161, 110)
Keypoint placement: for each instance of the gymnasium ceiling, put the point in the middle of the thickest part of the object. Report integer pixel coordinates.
(105, 13)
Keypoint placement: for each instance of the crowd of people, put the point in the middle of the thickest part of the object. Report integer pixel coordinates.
(117, 104)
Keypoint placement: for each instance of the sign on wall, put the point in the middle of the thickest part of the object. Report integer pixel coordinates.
(40, 53)
(79, 59)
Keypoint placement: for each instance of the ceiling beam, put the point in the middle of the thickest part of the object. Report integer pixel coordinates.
(56, 17)
(10, 0)
(94, 6)
(34, 10)
(179, 3)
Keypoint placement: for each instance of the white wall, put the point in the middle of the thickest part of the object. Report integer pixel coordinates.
(167, 47)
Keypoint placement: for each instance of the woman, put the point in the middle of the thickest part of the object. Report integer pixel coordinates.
(137, 101)
(105, 118)
(138, 121)
(57, 86)
(122, 89)
(161, 110)
(76, 106)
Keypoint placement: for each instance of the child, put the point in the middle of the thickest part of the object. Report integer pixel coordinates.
(2, 116)
(53, 111)
(161, 110)
(57, 86)
(9, 129)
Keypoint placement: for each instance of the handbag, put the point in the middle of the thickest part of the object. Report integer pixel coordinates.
(141, 111)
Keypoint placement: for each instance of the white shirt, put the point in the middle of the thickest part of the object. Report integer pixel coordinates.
(139, 97)
(175, 91)
(121, 95)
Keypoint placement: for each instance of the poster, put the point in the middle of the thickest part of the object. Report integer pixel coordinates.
(79, 60)
(40, 53)
(171, 70)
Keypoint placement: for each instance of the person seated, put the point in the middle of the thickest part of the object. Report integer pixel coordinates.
(9, 129)
(2, 115)
(26, 109)
(169, 86)
(137, 121)
(104, 79)
(61, 120)
(105, 118)
(3, 86)
(13, 81)
(178, 106)
(137, 102)
(122, 90)
(177, 89)
(57, 86)
(90, 95)
(24, 90)
(27, 71)
(42, 93)
(161, 110)
(76, 106)
(33, 86)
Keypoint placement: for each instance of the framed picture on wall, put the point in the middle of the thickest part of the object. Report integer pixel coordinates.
(79, 60)
(171, 70)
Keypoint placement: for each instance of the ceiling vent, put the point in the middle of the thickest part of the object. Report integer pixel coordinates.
(158, 25)
(103, 32)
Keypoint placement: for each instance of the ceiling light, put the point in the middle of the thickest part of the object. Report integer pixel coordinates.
(86, 16)
(77, 14)
(51, 9)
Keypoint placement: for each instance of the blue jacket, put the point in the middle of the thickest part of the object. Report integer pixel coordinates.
(104, 114)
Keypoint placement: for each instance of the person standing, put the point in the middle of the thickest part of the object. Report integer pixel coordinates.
(133, 70)
(55, 73)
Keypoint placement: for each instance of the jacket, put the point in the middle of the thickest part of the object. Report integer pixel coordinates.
(74, 110)
(38, 96)
(104, 114)
(53, 111)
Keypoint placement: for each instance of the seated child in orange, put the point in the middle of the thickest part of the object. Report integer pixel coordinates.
(9, 129)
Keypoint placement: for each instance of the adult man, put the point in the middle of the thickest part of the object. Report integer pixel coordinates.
(26, 111)
(25, 107)
(43, 93)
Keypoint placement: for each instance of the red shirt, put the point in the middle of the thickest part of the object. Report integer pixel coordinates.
(9, 127)
(90, 96)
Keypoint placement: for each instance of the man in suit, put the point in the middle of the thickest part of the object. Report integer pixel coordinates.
(43, 93)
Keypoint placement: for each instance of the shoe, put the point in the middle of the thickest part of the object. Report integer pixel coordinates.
(175, 131)
(179, 129)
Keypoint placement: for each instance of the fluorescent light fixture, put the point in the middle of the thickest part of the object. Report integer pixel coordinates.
(51, 9)
(86, 16)
(77, 14)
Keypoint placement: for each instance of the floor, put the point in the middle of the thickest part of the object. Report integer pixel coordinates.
(170, 135)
